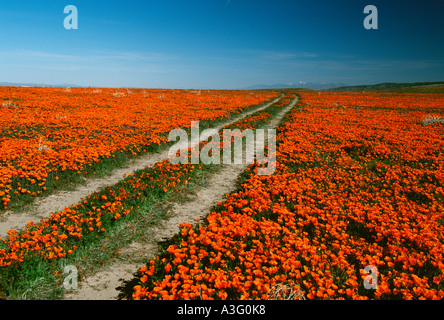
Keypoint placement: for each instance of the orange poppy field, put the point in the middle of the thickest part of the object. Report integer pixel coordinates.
(47, 131)
(359, 182)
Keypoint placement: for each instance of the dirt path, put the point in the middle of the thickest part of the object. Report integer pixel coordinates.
(102, 285)
(42, 207)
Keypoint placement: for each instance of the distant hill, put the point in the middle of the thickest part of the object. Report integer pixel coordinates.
(420, 87)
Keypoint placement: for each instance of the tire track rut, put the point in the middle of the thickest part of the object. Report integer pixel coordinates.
(102, 284)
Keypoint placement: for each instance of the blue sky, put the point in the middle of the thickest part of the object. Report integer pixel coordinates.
(220, 43)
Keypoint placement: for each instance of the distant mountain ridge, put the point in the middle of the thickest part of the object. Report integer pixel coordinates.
(19, 84)
(425, 87)
(299, 84)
